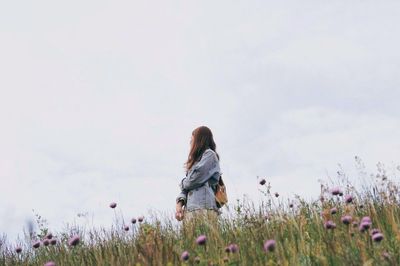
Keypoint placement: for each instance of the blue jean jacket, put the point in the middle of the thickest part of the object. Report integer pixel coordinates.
(197, 187)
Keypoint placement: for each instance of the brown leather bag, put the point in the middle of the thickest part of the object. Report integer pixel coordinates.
(221, 198)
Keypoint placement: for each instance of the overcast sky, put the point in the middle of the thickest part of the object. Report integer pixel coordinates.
(98, 99)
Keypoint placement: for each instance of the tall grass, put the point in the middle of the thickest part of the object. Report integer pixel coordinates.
(298, 227)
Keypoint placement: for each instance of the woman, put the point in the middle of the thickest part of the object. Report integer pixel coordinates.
(197, 194)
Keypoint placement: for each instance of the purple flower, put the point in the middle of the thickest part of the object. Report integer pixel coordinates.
(346, 219)
(269, 245)
(36, 244)
(227, 249)
(386, 255)
(73, 241)
(46, 242)
(185, 256)
(290, 205)
(276, 194)
(377, 237)
(126, 228)
(113, 205)
(364, 226)
(322, 199)
(53, 242)
(49, 236)
(50, 263)
(140, 219)
(348, 198)
(18, 249)
(330, 225)
(133, 220)
(262, 182)
(375, 231)
(201, 240)
(333, 210)
(336, 191)
(234, 248)
(366, 219)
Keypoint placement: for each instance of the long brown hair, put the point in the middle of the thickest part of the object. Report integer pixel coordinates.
(202, 140)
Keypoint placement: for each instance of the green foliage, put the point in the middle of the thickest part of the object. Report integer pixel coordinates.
(298, 229)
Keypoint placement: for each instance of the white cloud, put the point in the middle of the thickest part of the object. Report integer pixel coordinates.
(98, 100)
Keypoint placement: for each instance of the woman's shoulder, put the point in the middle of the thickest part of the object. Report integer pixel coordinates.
(206, 157)
(209, 152)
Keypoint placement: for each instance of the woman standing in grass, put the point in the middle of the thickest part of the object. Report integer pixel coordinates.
(197, 194)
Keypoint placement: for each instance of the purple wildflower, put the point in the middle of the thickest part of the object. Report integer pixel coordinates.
(113, 205)
(234, 248)
(227, 249)
(46, 242)
(364, 226)
(377, 237)
(185, 256)
(269, 245)
(126, 228)
(330, 225)
(334, 210)
(53, 242)
(336, 191)
(290, 205)
(50, 263)
(201, 240)
(375, 231)
(18, 249)
(49, 236)
(276, 194)
(262, 182)
(140, 219)
(366, 219)
(36, 244)
(346, 219)
(73, 241)
(133, 220)
(386, 255)
(348, 198)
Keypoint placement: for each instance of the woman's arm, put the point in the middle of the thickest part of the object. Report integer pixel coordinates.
(180, 203)
(203, 170)
(182, 197)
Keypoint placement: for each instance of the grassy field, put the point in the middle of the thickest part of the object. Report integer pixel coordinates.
(343, 227)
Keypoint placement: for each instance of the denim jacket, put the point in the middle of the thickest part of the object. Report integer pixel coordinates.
(197, 187)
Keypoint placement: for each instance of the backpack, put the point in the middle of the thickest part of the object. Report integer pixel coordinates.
(221, 198)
